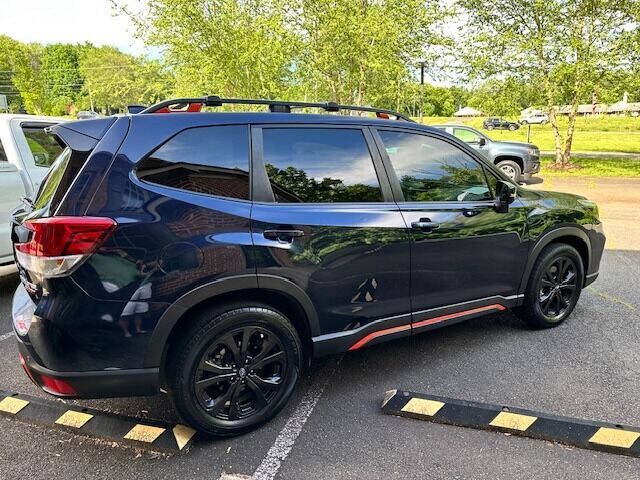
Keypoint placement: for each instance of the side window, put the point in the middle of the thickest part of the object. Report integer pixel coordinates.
(319, 165)
(466, 135)
(211, 160)
(3, 155)
(432, 170)
(43, 146)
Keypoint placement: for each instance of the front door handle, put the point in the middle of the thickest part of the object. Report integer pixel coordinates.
(425, 225)
(282, 236)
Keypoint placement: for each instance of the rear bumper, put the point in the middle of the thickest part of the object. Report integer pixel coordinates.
(92, 384)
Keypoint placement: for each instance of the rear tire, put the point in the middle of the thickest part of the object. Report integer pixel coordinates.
(489, 127)
(513, 127)
(234, 369)
(553, 288)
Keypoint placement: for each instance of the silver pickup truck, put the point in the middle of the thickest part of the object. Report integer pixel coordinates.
(26, 152)
(518, 160)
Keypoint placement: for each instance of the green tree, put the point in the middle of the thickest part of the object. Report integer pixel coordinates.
(60, 75)
(562, 47)
(23, 64)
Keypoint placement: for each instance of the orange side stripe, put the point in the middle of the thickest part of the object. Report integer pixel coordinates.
(429, 321)
(377, 334)
(442, 318)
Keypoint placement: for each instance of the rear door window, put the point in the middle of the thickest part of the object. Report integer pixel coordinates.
(320, 165)
(210, 160)
(3, 155)
(43, 146)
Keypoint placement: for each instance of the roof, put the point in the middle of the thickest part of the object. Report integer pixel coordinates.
(467, 112)
(32, 118)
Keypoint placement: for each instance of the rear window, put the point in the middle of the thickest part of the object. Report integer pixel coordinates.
(3, 156)
(210, 160)
(43, 146)
(52, 180)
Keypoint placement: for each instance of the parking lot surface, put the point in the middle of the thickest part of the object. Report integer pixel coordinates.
(333, 428)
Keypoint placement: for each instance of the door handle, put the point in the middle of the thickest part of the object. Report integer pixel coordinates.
(282, 236)
(425, 225)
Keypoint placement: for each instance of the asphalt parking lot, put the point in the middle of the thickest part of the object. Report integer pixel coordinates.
(589, 368)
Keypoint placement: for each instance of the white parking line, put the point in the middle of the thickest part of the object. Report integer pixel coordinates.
(283, 444)
(5, 336)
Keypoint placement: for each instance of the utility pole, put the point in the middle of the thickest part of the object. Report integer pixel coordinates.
(421, 90)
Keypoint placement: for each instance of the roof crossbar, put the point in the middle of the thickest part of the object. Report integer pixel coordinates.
(194, 104)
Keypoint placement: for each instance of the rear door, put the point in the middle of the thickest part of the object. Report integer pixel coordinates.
(464, 255)
(324, 220)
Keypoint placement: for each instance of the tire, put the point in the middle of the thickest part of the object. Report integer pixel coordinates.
(511, 169)
(489, 127)
(524, 122)
(234, 398)
(542, 308)
(513, 127)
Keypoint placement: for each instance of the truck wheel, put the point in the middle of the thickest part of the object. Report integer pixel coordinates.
(511, 169)
(513, 127)
(553, 288)
(234, 369)
(489, 127)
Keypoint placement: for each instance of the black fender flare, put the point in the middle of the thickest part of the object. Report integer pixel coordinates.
(237, 283)
(546, 239)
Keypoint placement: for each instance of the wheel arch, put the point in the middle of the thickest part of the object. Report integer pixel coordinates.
(513, 158)
(281, 294)
(573, 236)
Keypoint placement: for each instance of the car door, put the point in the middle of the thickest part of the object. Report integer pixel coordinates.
(465, 257)
(325, 222)
(471, 138)
(11, 190)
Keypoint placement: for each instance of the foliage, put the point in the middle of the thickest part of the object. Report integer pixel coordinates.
(60, 76)
(562, 46)
(594, 167)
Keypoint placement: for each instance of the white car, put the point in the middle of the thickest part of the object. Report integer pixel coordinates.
(535, 118)
(26, 152)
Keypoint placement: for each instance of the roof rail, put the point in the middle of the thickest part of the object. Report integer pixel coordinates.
(195, 105)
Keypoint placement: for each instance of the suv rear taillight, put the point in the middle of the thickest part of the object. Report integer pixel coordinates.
(58, 244)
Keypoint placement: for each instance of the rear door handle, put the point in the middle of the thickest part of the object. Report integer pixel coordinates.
(425, 225)
(282, 236)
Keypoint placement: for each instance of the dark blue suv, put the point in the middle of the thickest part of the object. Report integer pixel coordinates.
(215, 254)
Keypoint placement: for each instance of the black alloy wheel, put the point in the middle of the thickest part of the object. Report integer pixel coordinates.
(557, 288)
(240, 373)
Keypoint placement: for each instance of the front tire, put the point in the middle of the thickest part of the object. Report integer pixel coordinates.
(553, 288)
(513, 127)
(234, 369)
(511, 169)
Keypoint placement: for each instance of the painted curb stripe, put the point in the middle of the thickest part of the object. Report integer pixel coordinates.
(152, 435)
(588, 434)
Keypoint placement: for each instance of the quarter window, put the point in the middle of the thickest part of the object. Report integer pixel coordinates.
(320, 165)
(432, 170)
(211, 160)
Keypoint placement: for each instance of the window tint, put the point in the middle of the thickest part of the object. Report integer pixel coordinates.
(318, 165)
(465, 135)
(432, 170)
(43, 146)
(211, 160)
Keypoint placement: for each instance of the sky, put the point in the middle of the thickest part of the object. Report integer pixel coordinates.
(69, 21)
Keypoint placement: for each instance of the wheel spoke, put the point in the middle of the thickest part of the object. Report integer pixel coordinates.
(261, 401)
(246, 336)
(209, 366)
(207, 382)
(264, 361)
(546, 282)
(547, 303)
(234, 408)
(230, 342)
(265, 384)
(221, 401)
(568, 287)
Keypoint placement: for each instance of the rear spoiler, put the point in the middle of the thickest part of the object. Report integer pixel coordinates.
(82, 135)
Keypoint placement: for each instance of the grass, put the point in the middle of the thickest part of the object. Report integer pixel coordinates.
(594, 167)
(602, 133)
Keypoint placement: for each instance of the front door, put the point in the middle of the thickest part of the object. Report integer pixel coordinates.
(329, 226)
(465, 257)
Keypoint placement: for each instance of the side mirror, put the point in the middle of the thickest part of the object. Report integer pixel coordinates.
(505, 195)
(482, 141)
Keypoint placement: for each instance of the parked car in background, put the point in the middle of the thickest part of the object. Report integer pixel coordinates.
(496, 123)
(538, 118)
(518, 160)
(213, 255)
(26, 152)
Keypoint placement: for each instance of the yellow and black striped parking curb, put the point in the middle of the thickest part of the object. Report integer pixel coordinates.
(147, 434)
(593, 435)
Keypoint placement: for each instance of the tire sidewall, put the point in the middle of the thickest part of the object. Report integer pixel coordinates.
(185, 371)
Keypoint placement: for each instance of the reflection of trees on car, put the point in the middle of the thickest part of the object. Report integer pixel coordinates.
(451, 182)
(294, 185)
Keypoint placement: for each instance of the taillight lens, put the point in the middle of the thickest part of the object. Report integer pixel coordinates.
(58, 244)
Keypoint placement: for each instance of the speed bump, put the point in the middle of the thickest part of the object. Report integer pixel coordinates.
(148, 434)
(592, 435)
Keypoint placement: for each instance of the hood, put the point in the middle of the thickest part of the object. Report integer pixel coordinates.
(516, 144)
(553, 199)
